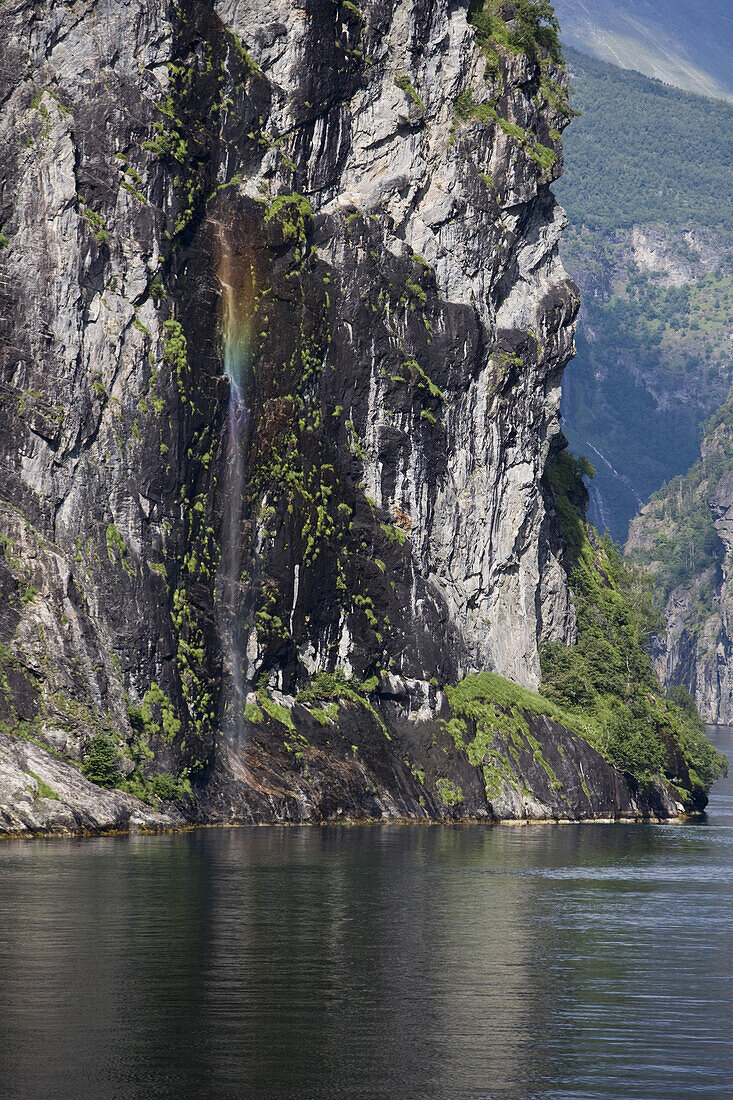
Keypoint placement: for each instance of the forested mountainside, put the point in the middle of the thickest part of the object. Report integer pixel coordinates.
(684, 536)
(288, 529)
(685, 44)
(648, 188)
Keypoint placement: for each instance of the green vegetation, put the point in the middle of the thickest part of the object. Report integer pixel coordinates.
(523, 26)
(44, 791)
(293, 216)
(484, 706)
(117, 548)
(658, 362)
(96, 221)
(450, 793)
(166, 787)
(161, 786)
(466, 108)
(336, 686)
(605, 683)
(671, 160)
(680, 539)
(155, 716)
(677, 338)
(603, 688)
(403, 83)
(275, 711)
(156, 289)
(677, 319)
(175, 352)
(101, 764)
(352, 8)
(132, 190)
(494, 705)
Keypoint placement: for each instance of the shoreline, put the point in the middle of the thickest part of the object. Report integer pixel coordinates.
(351, 823)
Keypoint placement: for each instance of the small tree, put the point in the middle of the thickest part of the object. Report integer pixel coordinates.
(100, 763)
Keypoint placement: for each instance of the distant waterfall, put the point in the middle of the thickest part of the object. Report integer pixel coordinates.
(235, 279)
(619, 477)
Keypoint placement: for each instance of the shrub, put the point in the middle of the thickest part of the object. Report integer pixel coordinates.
(100, 764)
(526, 26)
(166, 786)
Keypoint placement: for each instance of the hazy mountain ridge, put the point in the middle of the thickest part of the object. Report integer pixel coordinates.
(689, 45)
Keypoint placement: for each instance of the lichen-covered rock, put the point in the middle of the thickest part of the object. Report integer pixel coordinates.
(283, 328)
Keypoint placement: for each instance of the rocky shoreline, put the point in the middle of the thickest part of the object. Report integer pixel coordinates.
(543, 780)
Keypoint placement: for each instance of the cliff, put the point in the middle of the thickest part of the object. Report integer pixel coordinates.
(284, 325)
(684, 536)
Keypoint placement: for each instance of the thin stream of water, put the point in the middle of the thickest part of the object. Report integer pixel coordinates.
(236, 353)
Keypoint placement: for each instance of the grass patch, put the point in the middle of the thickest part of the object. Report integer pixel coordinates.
(44, 791)
(403, 83)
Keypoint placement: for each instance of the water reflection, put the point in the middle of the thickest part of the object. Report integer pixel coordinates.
(373, 962)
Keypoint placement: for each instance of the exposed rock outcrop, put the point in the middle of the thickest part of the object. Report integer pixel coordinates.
(44, 795)
(540, 772)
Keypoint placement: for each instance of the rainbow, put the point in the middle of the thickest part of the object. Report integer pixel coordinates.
(236, 275)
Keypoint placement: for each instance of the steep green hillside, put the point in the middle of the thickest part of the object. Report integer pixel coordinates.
(605, 685)
(641, 152)
(685, 44)
(648, 188)
(675, 537)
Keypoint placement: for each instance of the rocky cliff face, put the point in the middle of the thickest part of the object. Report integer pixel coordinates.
(284, 325)
(685, 536)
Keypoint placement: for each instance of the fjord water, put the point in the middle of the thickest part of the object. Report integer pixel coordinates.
(384, 962)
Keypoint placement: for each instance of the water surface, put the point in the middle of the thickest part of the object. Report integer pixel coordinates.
(375, 962)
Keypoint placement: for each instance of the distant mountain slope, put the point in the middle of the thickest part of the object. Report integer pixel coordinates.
(684, 537)
(648, 188)
(689, 45)
(642, 152)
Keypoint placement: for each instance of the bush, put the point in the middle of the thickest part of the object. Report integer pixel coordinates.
(526, 26)
(100, 764)
(167, 787)
(634, 747)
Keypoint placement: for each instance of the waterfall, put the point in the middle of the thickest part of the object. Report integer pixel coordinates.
(619, 477)
(235, 280)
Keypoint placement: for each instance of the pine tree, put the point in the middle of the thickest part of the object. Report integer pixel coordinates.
(100, 764)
